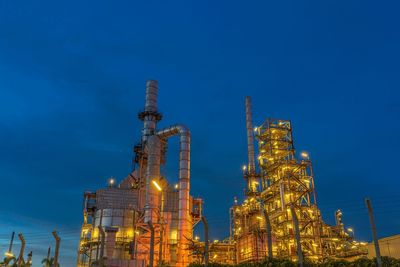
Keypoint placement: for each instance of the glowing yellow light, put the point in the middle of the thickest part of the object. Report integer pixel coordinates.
(255, 129)
(196, 237)
(137, 232)
(259, 218)
(157, 185)
(304, 155)
(111, 181)
(174, 234)
(216, 241)
(9, 254)
(244, 167)
(215, 256)
(315, 245)
(350, 229)
(176, 186)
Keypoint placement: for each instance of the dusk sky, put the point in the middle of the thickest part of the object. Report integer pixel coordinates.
(72, 79)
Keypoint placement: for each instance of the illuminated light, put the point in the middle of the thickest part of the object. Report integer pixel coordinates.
(174, 234)
(196, 237)
(111, 182)
(335, 239)
(363, 243)
(315, 245)
(244, 167)
(259, 218)
(304, 155)
(157, 185)
(137, 232)
(216, 241)
(215, 256)
(9, 254)
(176, 186)
(350, 230)
(255, 129)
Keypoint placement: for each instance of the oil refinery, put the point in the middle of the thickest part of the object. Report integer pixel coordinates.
(147, 221)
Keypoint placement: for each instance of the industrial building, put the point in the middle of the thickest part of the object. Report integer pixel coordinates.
(145, 221)
(279, 216)
(389, 247)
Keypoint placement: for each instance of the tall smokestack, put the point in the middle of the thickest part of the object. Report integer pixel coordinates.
(250, 140)
(150, 116)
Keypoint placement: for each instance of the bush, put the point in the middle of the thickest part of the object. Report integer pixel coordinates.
(363, 262)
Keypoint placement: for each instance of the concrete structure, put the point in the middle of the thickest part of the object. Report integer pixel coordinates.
(389, 246)
(144, 220)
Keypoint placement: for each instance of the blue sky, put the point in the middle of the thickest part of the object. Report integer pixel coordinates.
(72, 79)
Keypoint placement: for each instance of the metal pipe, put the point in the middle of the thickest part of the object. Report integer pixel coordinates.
(297, 235)
(150, 115)
(56, 252)
(203, 219)
(151, 260)
(160, 250)
(21, 250)
(184, 218)
(152, 173)
(102, 243)
(11, 243)
(373, 229)
(268, 229)
(250, 139)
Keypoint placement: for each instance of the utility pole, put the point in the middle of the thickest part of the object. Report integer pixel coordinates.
(297, 235)
(21, 251)
(58, 240)
(203, 219)
(151, 263)
(373, 229)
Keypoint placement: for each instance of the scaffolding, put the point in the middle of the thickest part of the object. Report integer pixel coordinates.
(281, 182)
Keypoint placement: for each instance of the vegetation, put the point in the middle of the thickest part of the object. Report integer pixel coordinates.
(49, 262)
(386, 262)
(9, 262)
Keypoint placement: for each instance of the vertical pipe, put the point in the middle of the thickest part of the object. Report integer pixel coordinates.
(184, 218)
(150, 115)
(373, 229)
(56, 252)
(250, 140)
(160, 250)
(21, 251)
(48, 254)
(152, 173)
(297, 235)
(203, 219)
(11, 243)
(268, 229)
(151, 260)
(282, 195)
(102, 235)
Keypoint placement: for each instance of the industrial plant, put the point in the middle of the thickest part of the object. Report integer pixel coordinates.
(147, 221)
